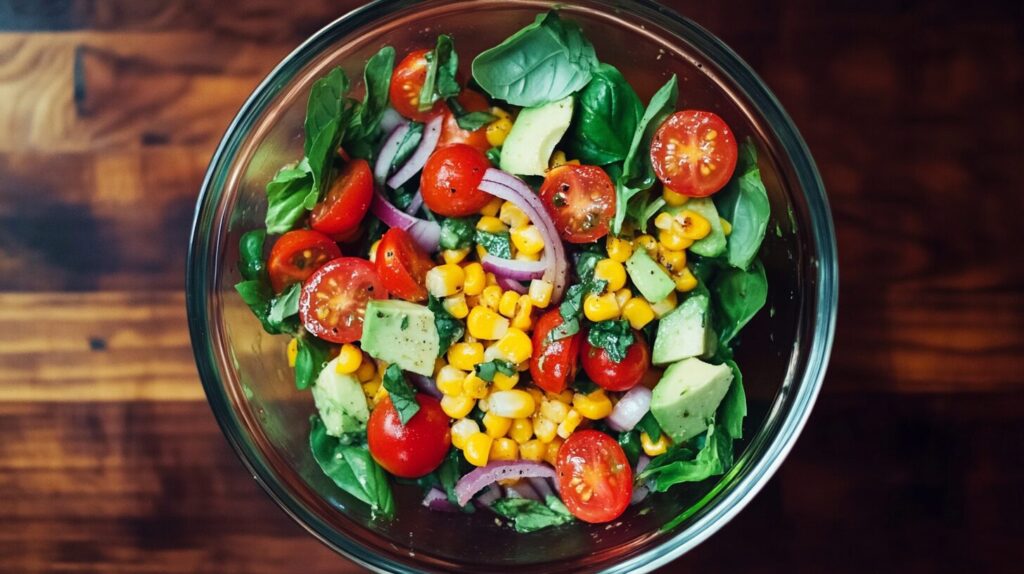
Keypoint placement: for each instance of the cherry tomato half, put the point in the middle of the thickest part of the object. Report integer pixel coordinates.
(451, 133)
(450, 180)
(617, 376)
(346, 202)
(334, 298)
(553, 365)
(296, 255)
(402, 265)
(581, 200)
(694, 153)
(594, 476)
(406, 82)
(415, 448)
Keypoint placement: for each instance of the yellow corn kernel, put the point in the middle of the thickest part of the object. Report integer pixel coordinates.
(456, 306)
(622, 296)
(455, 255)
(507, 303)
(514, 404)
(568, 426)
(491, 209)
(672, 240)
(292, 351)
(498, 130)
(484, 404)
(457, 407)
(478, 449)
(504, 449)
(532, 450)
(646, 242)
(537, 394)
(695, 226)
(564, 396)
(673, 198)
(523, 319)
(380, 395)
(545, 429)
(527, 239)
(485, 324)
(490, 297)
(475, 279)
(663, 221)
(515, 347)
(554, 410)
(594, 406)
(465, 356)
(665, 306)
(551, 451)
(480, 251)
(503, 382)
(618, 249)
(445, 280)
(496, 425)
(462, 430)
(653, 448)
(370, 388)
(490, 279)
(474, 387)
(685, 281)
(450, 380)
(638, 312)
(438, 364)
(540, 293)
(491, 224)
(726, 226)
(372, 255)
(521, 430)
(601, 307)
(523, 256)
(672, 260)
(472, 301)
(611, 271)
(557, 159)
(512, 216)
(349, 359)
(367, 369)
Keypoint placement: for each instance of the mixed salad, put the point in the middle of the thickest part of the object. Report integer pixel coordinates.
(518, 290)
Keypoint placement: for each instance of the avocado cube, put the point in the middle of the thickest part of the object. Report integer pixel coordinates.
(685, 332)
(650, 279)
(688, 395)
(402, 333)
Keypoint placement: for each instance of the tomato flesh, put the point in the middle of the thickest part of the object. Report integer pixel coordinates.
(402, 265)
(450, 180)
(334, 298)
(451, 133)
(415, 448)
(553, 365)
(296, 255)
(614, 376)
(594, 476)
(406, 82)
(694, 153)
(580, 200)
(346, 202)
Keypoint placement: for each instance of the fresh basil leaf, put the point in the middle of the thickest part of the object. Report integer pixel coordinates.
(649, 425)
(733, 408)
(541, 63)
(642, 208)
(615, 337)
(744, 204)
(680, 465)
(312, 355)
(458, 232)
(287, 196)
(488, 370)
(448, 475)
(497, 244)
(352, 469)
(572, 307)
(364, 123)
(473, 121)
(494, 156)
(449, 329)
(250, 254)
(586, 261)
(286, 304)
(326, 118)
(257, 296)
(606, 114)
(630, 443)
(440, 82)
(407, 146)
(737, 296)
(530, 515)
(403, 396)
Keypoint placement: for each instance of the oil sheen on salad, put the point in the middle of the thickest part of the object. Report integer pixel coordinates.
(517, 289)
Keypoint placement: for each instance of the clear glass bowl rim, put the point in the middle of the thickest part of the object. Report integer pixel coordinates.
(737, 491)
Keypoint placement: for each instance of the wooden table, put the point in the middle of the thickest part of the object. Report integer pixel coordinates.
(110, 460)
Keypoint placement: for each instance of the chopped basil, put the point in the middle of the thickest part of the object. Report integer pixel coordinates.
(402, 395)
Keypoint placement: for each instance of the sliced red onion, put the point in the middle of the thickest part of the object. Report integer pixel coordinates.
(542, 486)
(390, 119)
(425, 384)
(388, 151)
(641, 491)
(426, 234)
(431, 134)
(438, 501)
(630, 409)
(478, 479)
(509, 284)
(513, 269)
(522, 489)
(511, 188)
(415, 203)
(489, 495)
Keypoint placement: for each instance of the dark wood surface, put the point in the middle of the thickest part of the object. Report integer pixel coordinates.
(110, 460)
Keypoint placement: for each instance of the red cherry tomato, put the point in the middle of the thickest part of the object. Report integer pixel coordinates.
(581, 200)
(334, 298)
(450, 180)
(415, 448)
(346, 202)
(296, 255)
(553, 365)
(402, 265)
(617, 376)
(594, 476)
(406, 82)
(451, 133)
(694, 153)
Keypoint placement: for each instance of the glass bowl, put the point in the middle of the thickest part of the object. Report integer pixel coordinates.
(250, 386)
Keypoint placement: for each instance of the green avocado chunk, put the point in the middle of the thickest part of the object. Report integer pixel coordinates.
(534, 135)
(652, 282)
(339, 399)
(685, 332)
(402, 333)
(688, 395)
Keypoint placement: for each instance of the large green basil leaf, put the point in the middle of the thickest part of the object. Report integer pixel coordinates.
(250, 254)
(287, 196)
(737, 295)
(607, 112)
(326, 113)
(744, 203)
(351, 468)
(440, 82)
(364, 124)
